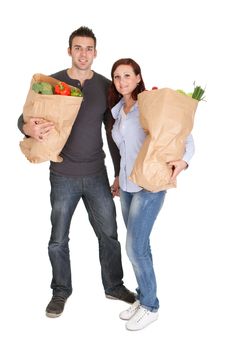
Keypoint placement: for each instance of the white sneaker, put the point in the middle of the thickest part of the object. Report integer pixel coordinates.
(141, 319)
(127, 314)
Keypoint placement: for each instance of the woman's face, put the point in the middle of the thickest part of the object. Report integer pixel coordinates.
(125, 79)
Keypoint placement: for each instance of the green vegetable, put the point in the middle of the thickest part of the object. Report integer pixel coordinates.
(198, 93)
(76, 92)
(181, 91)
(43, 88)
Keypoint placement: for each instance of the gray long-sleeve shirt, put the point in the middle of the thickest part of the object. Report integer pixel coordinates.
(83, 152)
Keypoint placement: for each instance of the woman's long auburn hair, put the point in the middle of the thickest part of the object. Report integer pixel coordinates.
(114, 95)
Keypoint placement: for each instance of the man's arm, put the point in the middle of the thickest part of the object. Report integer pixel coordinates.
(113, 149)
(20, 123)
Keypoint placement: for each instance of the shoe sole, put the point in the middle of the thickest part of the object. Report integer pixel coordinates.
(51, 315)
(111, 297)
(124, 318)
(114, 298)
(139, 329)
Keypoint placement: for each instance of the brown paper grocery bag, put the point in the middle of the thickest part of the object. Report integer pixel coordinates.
(168, 118)
(61, 110)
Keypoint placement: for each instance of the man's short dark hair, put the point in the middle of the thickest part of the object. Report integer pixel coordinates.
(82, 31)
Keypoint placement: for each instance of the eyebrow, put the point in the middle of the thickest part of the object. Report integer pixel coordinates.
(123, 73)
(88, 47)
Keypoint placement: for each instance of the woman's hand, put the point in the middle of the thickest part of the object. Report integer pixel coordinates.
(38, 128)
(115, 188)
(177, 166)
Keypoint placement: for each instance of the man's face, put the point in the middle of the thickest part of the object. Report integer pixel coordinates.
(82, 52)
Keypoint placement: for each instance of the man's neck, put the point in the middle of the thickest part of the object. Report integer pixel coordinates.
(79, 74)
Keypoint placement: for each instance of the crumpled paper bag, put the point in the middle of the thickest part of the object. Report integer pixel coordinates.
(61, 110)
(168, 118)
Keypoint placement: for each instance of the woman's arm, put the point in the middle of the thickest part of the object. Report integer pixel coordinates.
(181, 164)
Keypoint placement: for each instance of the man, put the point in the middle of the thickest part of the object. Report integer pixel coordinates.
(82, 174)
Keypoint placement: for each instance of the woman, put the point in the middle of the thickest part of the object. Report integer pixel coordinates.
(139, 206)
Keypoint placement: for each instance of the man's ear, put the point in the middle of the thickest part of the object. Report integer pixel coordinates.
(69, 51)
(95, 53)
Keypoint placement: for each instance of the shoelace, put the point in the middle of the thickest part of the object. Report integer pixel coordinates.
(145, 312)
(132, 307)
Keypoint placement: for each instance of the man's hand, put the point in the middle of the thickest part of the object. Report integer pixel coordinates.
(115, 188)
(38, 128)
(177, 166)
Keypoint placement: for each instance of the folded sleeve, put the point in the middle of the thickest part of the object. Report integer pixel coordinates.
(189, 149)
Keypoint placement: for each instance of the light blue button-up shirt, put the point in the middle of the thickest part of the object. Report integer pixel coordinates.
(129, 136)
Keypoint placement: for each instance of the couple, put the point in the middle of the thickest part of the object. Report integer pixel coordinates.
(82, 174)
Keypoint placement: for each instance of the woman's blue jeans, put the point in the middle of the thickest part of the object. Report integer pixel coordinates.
(140, 210)
(95, 193)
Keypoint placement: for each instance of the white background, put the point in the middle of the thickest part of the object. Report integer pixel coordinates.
(175, 42)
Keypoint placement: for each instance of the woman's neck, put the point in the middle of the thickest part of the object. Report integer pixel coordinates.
(128, 104)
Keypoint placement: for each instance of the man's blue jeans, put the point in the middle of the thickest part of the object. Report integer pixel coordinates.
(95, 193)
(140, 210)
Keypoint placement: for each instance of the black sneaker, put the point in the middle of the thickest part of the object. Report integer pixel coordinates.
(56, 306)
(122, 293)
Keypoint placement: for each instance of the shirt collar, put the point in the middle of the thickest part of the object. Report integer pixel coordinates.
(116, 109)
